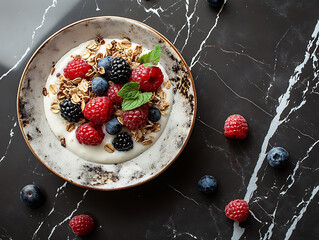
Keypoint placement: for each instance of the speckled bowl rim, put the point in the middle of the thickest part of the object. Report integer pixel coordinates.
(108, 18)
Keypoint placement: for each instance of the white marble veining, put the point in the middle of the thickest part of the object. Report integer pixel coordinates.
(11, 135)
(269, 232)
(184, 196)
(209, 126)
(15, 65)
(54, 2)
(170, 225)
(68, 217)
(189, 16)
(275, 62)
(242, 53)
(196, 57)
(156, 11)
(5, 234)
(283, 100)
(97, 6)
(59, 191)
(210, 68)
(296, 218)
(291, 177)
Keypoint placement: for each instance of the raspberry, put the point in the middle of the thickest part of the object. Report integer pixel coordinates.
(149, 78)
(89, 134)
(70, 111)
(120, 70)
(82, 225)
(112, 93)
(237, 210)
(76, 68)
(236, 127)
(122, 142)
(99, 110)
(136, 118)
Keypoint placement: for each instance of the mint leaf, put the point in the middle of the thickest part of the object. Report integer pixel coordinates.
(152, 58)
(144, 97)
(129, 90)
(129, 104)
(149, 65)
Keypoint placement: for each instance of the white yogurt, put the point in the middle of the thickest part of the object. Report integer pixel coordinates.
(96, 153)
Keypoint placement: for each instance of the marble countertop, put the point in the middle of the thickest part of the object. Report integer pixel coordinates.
(255, 58)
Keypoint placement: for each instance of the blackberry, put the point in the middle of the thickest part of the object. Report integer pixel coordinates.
(120, 71)
(70, 111)
(122, 142)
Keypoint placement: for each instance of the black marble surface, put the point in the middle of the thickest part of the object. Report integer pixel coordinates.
(255, 58)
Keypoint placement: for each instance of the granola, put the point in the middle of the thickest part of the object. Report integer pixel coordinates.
(79, 90)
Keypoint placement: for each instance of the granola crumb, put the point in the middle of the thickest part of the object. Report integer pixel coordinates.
(109, 148)
(45, 92)
(52, 70)
(62, 140)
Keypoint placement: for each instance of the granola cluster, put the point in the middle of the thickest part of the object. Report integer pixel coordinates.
(79, 90)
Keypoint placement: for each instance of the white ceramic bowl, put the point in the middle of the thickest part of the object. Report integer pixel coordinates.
(45, 145)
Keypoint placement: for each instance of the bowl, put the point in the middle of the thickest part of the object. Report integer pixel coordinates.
(67, 165)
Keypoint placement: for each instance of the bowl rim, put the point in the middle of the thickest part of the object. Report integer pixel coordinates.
(107, 18)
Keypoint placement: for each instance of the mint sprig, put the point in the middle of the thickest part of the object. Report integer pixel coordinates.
(152, 58)
(133, 98)
(129, 90)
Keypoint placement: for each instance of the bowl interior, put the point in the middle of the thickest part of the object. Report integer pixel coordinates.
(47, 148)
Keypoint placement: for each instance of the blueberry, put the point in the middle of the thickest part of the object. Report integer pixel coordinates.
(215, 3)
(113, 126)
(207, 184)
(105, 63)
(32, 196)
(154, 114)
(278, 157)
(99, 85)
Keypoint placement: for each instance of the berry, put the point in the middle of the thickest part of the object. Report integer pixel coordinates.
(136, 118)
(237, 210)
(236, 127)
(76, 68)
(120, 70)
(113, 126)
(70, 111)
(32, 196)
(154, 114)
(99, 85)
(207, 184)
(99, 110)
(82, 225)
(106, 64)
(122, 142)
(89, 134)
(278, 157)
(112, 93)
(149, 78)
(215, 3)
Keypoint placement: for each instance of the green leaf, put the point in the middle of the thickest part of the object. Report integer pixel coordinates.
(149, 65)
(129, 104)
(129, 90)
(152, 58)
